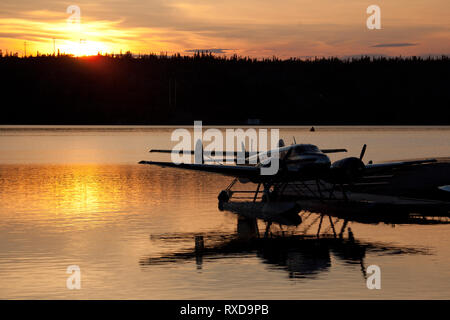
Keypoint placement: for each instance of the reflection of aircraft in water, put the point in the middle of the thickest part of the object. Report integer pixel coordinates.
(300, 255)
(307, 180)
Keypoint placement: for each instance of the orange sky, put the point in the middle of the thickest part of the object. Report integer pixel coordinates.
(259, 28)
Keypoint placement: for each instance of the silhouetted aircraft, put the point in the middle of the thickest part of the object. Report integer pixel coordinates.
(296, 163)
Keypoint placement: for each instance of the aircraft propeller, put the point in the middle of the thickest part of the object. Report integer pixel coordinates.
(363, 151)
(349, 169)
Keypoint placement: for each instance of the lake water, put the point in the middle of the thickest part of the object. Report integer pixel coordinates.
(76, 196)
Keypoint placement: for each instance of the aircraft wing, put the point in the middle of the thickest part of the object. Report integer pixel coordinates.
(232, 170)
(373, 168)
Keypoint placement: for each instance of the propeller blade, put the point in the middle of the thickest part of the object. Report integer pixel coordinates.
(288, 153)
(363, 151)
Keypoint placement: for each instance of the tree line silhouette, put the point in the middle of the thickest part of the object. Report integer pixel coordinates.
(162, 89)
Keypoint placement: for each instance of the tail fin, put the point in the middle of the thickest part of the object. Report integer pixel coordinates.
(198, 154)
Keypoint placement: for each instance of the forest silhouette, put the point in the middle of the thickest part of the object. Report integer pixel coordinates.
(168, 90)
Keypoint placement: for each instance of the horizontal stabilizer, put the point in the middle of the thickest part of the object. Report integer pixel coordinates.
(333, 150)
(172, 151)
(213, 152)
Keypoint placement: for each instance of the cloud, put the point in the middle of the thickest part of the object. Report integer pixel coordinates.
(394, 45)
(325, 29)
(215, 50)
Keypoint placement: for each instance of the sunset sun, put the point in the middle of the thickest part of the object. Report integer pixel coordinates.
(83, 47)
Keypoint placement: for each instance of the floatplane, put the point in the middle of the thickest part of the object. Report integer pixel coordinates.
(306, 179)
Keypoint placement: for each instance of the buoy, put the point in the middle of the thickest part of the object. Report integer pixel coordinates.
(199, 244)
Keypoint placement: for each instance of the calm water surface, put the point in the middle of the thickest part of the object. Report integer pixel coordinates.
(76, 196)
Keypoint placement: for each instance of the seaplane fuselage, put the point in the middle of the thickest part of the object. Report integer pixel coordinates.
(296, 162)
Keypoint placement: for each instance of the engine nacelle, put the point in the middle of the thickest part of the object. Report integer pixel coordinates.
(346, 170)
